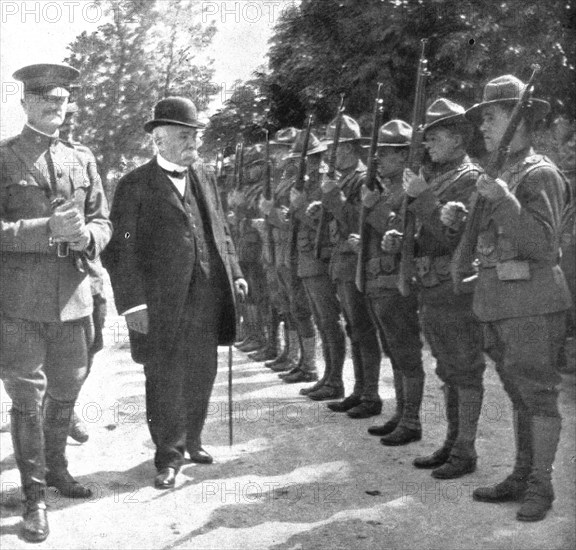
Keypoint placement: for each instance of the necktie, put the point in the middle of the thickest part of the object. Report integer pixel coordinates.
(175, 173)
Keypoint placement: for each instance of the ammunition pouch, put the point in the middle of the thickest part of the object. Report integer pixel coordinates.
(381, 273)
(433, 270)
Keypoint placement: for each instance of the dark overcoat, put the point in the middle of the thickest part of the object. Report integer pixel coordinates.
(152, 254)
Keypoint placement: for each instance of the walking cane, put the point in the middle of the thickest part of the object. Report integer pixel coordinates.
(230, 432)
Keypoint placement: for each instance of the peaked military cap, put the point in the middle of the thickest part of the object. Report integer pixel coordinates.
(444, 112)
(395, 133)
(286, 137)
(506, 89)
(47, 78)
(314, 146)
(174, 111)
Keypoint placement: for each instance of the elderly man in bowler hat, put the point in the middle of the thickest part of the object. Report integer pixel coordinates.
(54, 218)
(521, 295)
(174, 274)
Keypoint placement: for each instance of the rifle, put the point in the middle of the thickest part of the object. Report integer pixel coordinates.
(299, 186)
(268, 197)
(415, 155)
(371, 184)
(330, 174)
(463, 255)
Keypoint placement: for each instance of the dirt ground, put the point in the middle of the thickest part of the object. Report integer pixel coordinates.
(296, 477)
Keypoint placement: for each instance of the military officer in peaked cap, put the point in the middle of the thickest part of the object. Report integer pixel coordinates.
(521, 295)
(174, 273)
(54, 218)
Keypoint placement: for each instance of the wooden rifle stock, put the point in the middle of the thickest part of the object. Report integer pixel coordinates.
(268, 197)
(371, 184)
(299, 186)
(464, 254)
(330, 174)
(415, 155)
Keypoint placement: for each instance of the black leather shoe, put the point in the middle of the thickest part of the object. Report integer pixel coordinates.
(300, 376)
(265, 354)
(385, 429)
(455, 467)
(283, 367)
(345, 405)
(78, 431)
(436, 459)
(293, 370)
(366, 409)
(35, 524)
(326, 392)
(401, 436)
(165, 479)
(67, 486)
(200, 456)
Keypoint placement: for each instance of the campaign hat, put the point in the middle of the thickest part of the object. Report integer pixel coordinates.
(444, 112)
(314, 146)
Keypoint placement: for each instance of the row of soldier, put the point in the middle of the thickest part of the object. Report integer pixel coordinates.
(510, 303)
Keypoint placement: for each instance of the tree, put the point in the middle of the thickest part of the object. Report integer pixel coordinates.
(146, 51)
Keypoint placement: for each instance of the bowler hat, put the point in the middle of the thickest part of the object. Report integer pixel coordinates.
(395, 133)
(507, 89)
(444, 112)
(179, 111)
(42, 78)
(350, 131)
(314, 146)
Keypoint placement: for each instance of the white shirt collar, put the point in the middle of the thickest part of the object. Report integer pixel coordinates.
(51, 136)
(170, 166)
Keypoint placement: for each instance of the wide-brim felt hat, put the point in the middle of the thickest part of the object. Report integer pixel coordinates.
(444, 112)
(349, 131)
(395, 133)
(285, 137)
(507, 89)
(178, 111)
(314, 146)
(42, 78)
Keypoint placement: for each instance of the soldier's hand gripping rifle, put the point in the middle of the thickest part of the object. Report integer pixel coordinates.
(464, 254)
(415, 156)
(268, 197)
(299, 186)
(371, 184)
(330, 174)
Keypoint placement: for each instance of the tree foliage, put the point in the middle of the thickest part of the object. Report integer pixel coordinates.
(322, 49)
(146, 50)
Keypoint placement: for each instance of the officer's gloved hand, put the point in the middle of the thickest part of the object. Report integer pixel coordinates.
(80, 243)
(284, 213)
(314, 210)
(66, 223)
(354, 242)
(492, 189)
(369, 198)
(453, 215)
(231, 217)
(265, 206)
(138, 321)
(414, 185)
(392, 242)
(258, 224)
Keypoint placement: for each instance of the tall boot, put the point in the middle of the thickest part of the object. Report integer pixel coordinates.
(371, 404)
(307, 369)
(389, 426)
(270, 350)
(256, 340)
(409, 428)
(514, 486)
(539, 494)
(28, 442)
(331, 385)
(463, 457)
(355, 398)
(56, 425)
(326, 355)
(440, 456)
(293, 355)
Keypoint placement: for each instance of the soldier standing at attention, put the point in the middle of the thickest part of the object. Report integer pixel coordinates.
(78, 430)
(341, 198)
(395, 316)
(521, 295)
(54, 217)
(453, 333)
